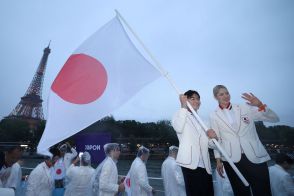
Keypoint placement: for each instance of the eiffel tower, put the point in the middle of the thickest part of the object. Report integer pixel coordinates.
(30, 106)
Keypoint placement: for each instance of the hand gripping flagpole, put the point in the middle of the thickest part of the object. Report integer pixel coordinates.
(165, 74)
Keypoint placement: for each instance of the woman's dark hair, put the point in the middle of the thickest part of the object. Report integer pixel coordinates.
(190, 93)
(54, 151)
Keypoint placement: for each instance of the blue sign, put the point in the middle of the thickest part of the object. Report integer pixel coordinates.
(93, 143)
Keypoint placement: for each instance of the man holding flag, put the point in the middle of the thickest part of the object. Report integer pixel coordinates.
(193, 156)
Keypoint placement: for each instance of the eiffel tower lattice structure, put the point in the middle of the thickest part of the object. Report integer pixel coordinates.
(30, 106)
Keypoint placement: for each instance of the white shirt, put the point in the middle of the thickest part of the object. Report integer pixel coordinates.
(14, 179)
(79, 178)
(173, 179)
(7, 180)
(40, 181)
(4, 175)
(139, 179)
(230, 117)
(281, 182)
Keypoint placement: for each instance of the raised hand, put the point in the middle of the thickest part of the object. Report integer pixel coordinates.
(251, 99)
(183, 100)
(121, 187)
(211, 134)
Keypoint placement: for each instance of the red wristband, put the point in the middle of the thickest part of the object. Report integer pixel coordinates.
(262, 108)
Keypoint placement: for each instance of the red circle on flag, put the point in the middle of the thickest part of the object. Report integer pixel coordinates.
(82, 79)
(128, 182)
(58, 171)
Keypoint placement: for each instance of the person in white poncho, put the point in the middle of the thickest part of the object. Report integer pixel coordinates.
(66, 155)
(14, 180)
(105, 180)
(222, 185)
(79, 177)
(282, 183)
(40, 181)
(10, 173)
(138, 174)
(173, 180)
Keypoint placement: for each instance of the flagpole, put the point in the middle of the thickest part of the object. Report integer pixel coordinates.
(172, 83)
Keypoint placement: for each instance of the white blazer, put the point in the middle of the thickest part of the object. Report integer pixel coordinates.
(192, 141)
(281, 182)
(244, 137)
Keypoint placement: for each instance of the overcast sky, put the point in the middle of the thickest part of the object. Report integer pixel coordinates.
(246, 45)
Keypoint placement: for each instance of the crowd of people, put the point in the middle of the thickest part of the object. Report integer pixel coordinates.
(185, 172)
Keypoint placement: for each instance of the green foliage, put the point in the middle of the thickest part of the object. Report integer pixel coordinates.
(12, 130)
(136, 132)
(132, 131)
(279, 134)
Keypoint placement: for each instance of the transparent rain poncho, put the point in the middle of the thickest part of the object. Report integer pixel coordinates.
(173, 149)
(79, 177)
(86, 159)
(173, 180)
(95, 180)
(138, 174)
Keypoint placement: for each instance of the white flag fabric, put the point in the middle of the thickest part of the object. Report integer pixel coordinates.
(102, 74)
(127, 183)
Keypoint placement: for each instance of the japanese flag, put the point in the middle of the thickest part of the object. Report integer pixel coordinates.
(127, 183)
(102, 74)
